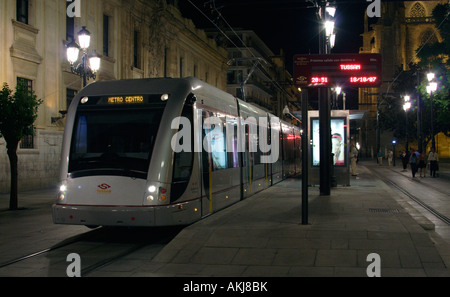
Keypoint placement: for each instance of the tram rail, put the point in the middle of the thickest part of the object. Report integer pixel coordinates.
(110, 247)
(413, 197)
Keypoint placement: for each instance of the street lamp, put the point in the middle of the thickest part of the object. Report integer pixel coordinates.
(334, 104)
(406, 107)
(431, 88)
(329, 26)
(394, 143)
(90, 63)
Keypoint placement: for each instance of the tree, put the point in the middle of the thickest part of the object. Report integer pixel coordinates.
(18, 112)
(435, 57)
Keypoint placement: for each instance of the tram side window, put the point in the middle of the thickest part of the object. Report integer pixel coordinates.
(215, 135)
(232, 138)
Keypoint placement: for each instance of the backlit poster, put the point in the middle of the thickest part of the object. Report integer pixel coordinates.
(338, 145)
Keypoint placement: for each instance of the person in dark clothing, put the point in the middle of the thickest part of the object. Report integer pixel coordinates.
(414, 160)
(405, 160)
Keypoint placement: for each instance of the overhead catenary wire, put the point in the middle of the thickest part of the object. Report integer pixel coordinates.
(275, 83)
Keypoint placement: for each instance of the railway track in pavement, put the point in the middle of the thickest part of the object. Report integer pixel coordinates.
(431, 194)
(96, 249)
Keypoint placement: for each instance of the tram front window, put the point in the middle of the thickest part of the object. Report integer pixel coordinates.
(113, 142)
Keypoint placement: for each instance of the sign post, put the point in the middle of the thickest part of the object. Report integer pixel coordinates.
(324, 71)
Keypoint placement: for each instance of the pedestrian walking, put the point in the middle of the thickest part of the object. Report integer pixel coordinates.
(405, 160)
(353, 159)
(413, 162)
(380, 157)
(433, 159)
(422, 165)
(390, 157)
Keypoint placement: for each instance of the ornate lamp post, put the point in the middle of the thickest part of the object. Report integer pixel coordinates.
(90, 63)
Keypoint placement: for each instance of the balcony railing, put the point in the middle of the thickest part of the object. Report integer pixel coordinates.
(419, 20)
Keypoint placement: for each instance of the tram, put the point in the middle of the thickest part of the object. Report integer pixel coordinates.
(162, 152)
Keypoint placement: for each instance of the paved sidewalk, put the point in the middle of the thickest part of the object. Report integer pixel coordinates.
(263, 236)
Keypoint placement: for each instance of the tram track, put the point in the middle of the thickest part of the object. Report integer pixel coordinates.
(413, 197)
(67, 242)
(416, 180)
(97, 249)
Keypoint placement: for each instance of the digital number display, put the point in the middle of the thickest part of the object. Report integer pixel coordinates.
(319, 80)
(126, 100)
(363, 79)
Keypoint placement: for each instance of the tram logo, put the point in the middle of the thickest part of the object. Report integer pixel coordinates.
(104, 189)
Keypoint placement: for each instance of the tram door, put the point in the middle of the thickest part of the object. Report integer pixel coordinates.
(247, 161)
(206, 168)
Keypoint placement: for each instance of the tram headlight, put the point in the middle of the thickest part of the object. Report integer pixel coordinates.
(152, 189)
(62, 193)
(155, 193)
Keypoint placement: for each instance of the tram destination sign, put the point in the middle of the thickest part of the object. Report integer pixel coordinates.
(358, 70)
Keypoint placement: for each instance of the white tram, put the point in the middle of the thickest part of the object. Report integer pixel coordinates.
(126, 159)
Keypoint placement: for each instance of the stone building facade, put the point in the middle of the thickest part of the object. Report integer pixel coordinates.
(403, 27)
(135, 38)
(268, 84)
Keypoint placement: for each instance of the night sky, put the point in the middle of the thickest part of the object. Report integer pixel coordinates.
(285, 24)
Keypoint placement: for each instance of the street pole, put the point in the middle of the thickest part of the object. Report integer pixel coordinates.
(84, 61)
(433, 140)
(419, 120)
(394, 142)
(378, 127)
(324, 119)
(406, 129)
(305, 153)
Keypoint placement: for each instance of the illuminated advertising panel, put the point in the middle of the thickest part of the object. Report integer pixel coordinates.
(338, 137)
(357, 70)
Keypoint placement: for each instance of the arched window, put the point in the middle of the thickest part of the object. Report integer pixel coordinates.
(417, 11)
(427, 36)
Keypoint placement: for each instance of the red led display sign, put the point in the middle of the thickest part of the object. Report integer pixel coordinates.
(359, 70)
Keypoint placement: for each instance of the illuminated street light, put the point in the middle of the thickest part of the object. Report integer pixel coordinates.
(329, 28)
(89, 64)
(331, 10)
(84, 38)
(406, 106)
(332, 40)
